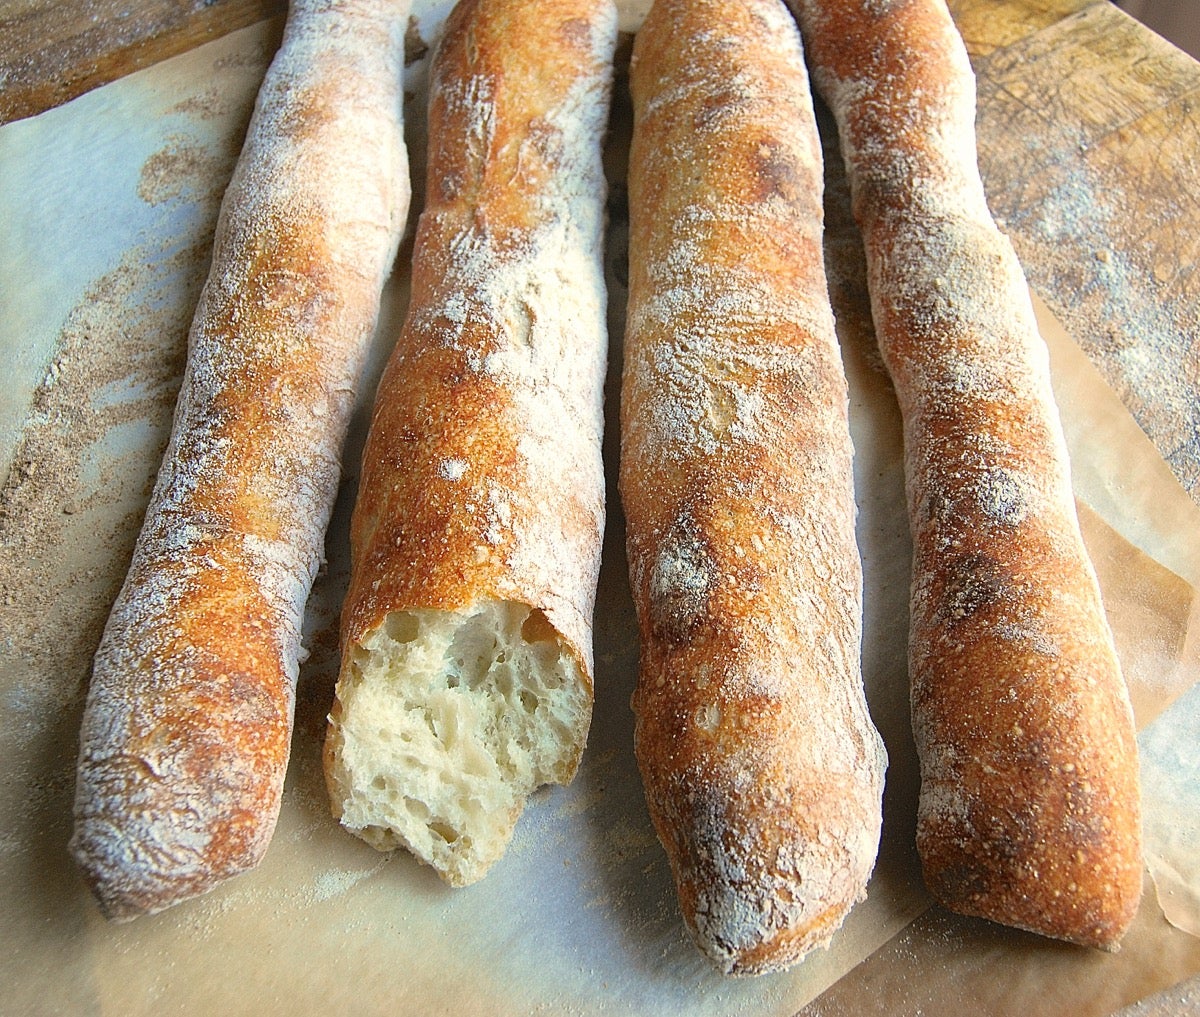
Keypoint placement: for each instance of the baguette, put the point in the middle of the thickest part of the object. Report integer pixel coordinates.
(466, 675)
(186, 728)
(1029, 806)
(762, 771)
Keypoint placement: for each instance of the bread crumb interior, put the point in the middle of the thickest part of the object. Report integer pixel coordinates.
(445, 721)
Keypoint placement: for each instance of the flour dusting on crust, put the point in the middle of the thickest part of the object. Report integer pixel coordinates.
(483, 480)
(763, 771)
(185, 735)
(1029, 804)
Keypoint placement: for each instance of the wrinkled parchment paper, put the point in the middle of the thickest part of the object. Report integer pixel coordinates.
(1156, 620)
(109, 205)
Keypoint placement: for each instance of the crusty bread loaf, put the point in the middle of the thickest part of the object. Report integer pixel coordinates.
(762, 770)
(186, 730)
(1029, 809)
(466, 676)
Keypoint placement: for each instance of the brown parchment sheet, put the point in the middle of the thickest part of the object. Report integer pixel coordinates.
(108, 206)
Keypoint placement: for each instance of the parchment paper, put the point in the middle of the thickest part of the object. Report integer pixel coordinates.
(1156, 620)
(109, 205)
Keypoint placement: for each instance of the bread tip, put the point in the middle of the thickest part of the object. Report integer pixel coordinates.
(1092, 918)
(757, 899)
(127, 887)
(137, 869)
(778, 951)
(121, 896)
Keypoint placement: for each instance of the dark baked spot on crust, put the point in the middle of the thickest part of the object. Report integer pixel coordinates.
(542, 137)
(776, 172)
(974, 582)
(995, 853)
(577, 32)
(713, 109)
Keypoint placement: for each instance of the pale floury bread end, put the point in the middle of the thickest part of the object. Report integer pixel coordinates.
(445, 721)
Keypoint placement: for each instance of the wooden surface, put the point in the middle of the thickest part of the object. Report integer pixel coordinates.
(53, 50)
(1089, 144)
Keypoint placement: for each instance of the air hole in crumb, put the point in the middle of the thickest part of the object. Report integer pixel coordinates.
(415, 807)
(537, 628)
(529, 701)
(402, 627)
(444, 830)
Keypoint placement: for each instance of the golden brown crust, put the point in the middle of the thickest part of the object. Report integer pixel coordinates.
(763, 773)
(1029, 810)
(482, 474)
(482, 471)
(186, 731)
